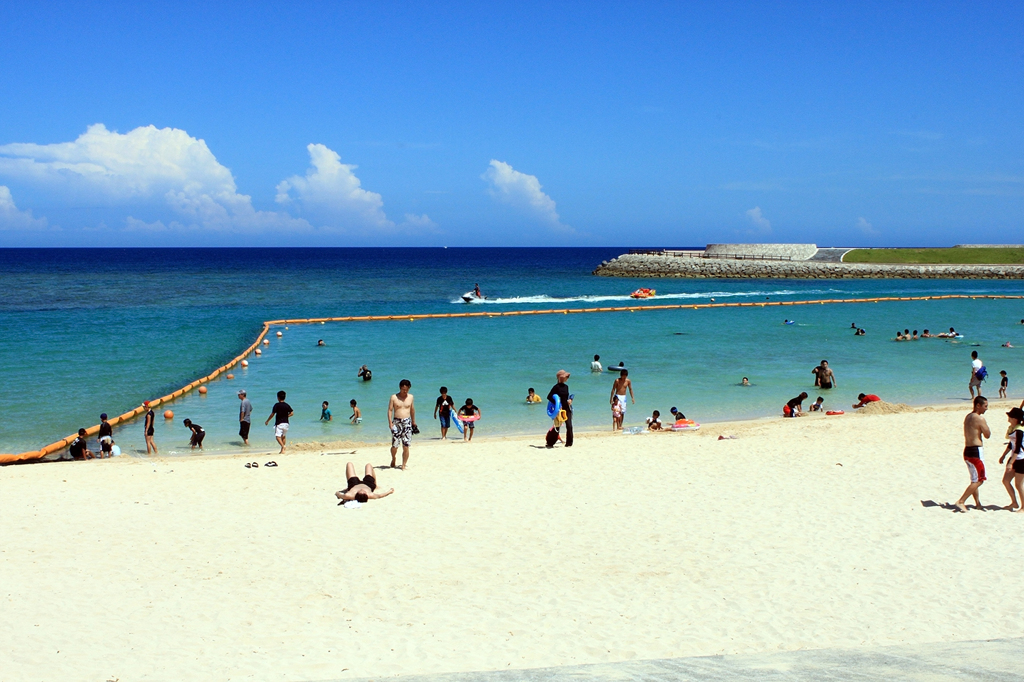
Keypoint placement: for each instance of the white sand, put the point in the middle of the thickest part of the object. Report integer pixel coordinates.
(499, 554)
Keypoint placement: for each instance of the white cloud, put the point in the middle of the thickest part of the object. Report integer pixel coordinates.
(147, 169)
(523, 192)
(864, 226)
(332, 195)
(13, 219)
(761, 224)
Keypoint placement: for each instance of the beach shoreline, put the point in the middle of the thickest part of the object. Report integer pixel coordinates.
(798, 534)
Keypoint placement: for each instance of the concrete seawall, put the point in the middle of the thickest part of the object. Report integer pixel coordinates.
(651, 265)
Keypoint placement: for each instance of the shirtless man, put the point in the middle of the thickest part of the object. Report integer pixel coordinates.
(360, 490)
(401, 421)
(975, 429)
(619, 389)
(823, 376)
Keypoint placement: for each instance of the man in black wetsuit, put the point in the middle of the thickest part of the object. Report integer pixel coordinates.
(561, 389)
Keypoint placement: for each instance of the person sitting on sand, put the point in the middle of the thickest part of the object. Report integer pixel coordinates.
(1015, 464)
(79, 447)
(794, 408)
(364, 373)
(818, 405)
(866, 398)
(357, 415)
(975, 430)
(360, 490)
(197, 434)
(654, 421)
(677, 415)
(531, 396)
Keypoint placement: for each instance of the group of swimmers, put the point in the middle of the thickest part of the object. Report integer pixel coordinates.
(906, 335)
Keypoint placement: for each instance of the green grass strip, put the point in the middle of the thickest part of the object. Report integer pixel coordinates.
(951, 256)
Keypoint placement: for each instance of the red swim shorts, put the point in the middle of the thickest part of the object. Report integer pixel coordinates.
(976, 465)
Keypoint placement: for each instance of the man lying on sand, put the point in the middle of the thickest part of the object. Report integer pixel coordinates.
(975, 429)
(360, 490)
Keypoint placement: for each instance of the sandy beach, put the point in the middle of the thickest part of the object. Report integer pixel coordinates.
(798, 534)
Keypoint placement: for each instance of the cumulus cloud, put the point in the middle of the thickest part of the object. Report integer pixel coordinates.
(331, 194)
(145, 168)
(163, 179)
(13, 219)
(864, 226)
(761, 224)
(523, 192)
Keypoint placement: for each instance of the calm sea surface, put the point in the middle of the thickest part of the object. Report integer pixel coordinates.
(100, 330)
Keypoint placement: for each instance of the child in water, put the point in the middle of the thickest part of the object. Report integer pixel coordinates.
(531, 396)
(325, 413)
(819, 405)
(1004, 382)
(357, 414)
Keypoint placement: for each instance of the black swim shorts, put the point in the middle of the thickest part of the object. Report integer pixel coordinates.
(369, 481)
(1018, 466)
(243, 430)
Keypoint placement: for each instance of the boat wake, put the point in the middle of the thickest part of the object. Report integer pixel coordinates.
(707, 295)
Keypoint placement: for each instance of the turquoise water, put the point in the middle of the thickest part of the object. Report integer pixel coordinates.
(133, 324)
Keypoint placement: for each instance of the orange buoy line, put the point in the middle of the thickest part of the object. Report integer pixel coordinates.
(93, 430)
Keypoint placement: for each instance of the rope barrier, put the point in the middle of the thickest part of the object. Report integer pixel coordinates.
(93, 430)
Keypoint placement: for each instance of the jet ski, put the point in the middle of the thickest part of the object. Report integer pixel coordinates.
(643, 293)
(471, 296)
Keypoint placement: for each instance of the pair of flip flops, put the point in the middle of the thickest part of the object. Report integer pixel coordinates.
(256, 465)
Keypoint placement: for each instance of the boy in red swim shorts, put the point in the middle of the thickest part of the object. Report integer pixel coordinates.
(975, 430)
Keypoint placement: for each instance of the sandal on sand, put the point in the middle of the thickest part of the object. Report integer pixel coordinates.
(270, 464)
(248, 465)
(255, 465)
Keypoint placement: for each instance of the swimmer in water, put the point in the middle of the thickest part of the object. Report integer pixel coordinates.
(595, 366)
(899, 335)
(745, 382)
(320, 342)
(531, 397)
(1007, 345)
(859, 332)
(926, 334)
(357, 415)
(325, 412)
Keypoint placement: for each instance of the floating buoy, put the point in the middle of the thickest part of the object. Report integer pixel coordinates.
(231, 376)
(266, 342)
(202, 389)
(258, 352)
(321, 323)
(280, 334)
(168, 414)
(245, 363)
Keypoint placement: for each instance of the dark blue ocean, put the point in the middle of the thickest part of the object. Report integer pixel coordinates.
(100, 330)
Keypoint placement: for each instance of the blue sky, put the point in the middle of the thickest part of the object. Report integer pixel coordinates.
(531, 124)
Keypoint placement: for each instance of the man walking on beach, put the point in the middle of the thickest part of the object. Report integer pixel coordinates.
(244, 417)
(975, 429)
(281, 411)
(401, 421)
(619, 389)
(976, 377)
(561, 389)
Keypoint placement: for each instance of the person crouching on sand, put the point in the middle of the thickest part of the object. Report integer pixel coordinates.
(360, 490)
(1015, 464)
(654, 421)
(794, 408)
(975, 430)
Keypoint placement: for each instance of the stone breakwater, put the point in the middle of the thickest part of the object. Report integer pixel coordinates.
(651, 265)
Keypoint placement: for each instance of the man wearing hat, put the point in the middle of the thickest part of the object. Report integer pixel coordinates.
(244, 417)
(561, 389)
(1015, 465)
